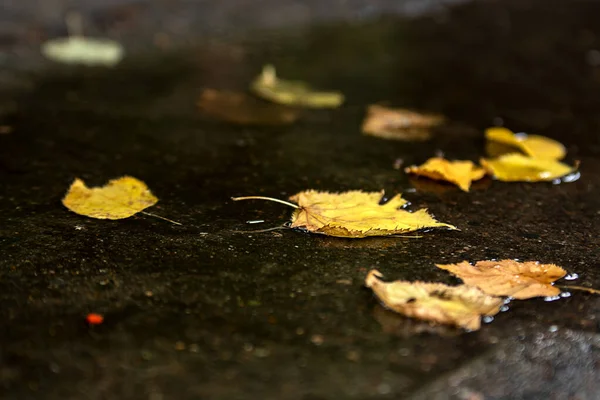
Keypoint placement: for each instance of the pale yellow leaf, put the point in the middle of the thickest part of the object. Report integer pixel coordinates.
(293, 93)
(455, 305)
(82, 50)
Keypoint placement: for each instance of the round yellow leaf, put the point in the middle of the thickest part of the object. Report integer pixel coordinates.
(120, 198)
(533, 145)
(516, 167)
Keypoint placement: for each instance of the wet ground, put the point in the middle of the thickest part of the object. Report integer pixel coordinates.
(204, 311)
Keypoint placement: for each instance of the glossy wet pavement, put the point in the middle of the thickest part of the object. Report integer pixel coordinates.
(203, 311)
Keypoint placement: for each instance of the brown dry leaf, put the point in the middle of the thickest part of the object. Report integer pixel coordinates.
(521, 280)
(461, 173)
(399, 123)
(455, 305)
(516, 167)
(240, 108)
(535, 146)
(292, 93)
(354, 214)
(120, 198)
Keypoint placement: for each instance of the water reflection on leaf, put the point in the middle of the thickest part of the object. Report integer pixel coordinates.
(395, 324)
(239, 108)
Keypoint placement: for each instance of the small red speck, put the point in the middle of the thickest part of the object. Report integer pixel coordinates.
(94, 319)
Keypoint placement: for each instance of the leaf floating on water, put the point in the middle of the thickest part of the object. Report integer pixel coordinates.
(455, 305)
(120, 198)
(399, 124)
(461, 173)
(354, 214)
(293, 93)
(240, 108)
(519, 168)
(521, 280)
(535, 146)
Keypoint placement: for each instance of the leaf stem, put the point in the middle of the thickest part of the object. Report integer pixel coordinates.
(287, 203)
(158, 216)
(74, 23)
(277, 228)
(582, 288)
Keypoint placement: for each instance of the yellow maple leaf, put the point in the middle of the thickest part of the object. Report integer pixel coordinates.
(293, 93)
(516, 167)
(461, 173)
(533, 145)
(240, 108)
(455, 305)
(120, 198)
(354, 214)
(521, 280)
(399, 123)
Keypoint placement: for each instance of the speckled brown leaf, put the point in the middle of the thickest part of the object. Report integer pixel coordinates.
(242, 109)
(521, 280)
(399, 123)
(455, 305)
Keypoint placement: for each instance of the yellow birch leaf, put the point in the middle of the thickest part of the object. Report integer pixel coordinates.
(454, 305)
(533, 145)
(120, 198)
(399, 123)
(354, 214)
(516, 167)
(461, 173)
(521, 280)
(292, 93)
(243, 109)
(357, 214)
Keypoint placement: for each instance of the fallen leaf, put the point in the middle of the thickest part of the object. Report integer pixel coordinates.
(455, 305)
(81, 50)
(77, 49)
(354, 214)
(357, 214)
(521, 280)
(535, 146)
(461, 173)
(399, 123)
(293, 93)
(242, 109)
(120, 198)
(393, 323)
(516, 167)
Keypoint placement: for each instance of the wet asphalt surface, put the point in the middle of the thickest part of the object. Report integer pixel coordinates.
(204, 311)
